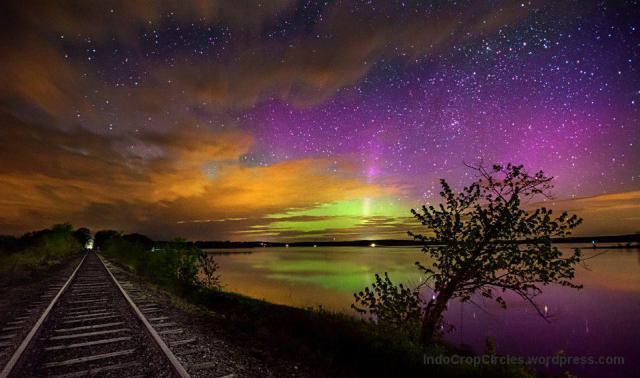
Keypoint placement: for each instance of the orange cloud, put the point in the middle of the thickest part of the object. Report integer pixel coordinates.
(123, 19)
(309, 70)
(84, 178)
(37, 74)
(289, 184)
(605, 214)
(305, 70)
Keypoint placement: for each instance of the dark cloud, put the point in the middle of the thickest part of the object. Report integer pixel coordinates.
(124, 20)
(303, 68)
(308, 68)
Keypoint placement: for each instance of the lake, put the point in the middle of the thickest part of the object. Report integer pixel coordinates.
(603, 319)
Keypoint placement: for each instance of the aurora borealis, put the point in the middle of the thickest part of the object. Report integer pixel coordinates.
(286, 120)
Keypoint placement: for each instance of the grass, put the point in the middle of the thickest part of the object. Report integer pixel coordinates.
(335, 343)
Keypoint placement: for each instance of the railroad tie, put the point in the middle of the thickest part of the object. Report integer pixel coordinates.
(80, 328)
(162, 325)
(87, 312)
(89, 315)
(203, 365)
(182, 342)
(95, 357)
(88, 301)
(89, 343)
(187, 352)
(171, 332)
(88, 334)
(158, 318)
(94, 371)
(87, 308)
(90, 319)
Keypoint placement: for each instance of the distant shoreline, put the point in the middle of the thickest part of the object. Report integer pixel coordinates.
(625, 240)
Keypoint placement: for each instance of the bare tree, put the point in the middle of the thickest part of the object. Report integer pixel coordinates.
(484, 241)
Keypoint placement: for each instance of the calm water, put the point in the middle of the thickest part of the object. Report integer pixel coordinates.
(603, 319)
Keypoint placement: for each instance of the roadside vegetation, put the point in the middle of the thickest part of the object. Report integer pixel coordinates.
(177, 264)
(32, 255)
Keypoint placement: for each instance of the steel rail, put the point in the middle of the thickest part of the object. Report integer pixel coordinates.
(175, 364)
(8, 368)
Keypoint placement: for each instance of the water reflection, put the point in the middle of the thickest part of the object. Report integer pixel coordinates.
(601, 319)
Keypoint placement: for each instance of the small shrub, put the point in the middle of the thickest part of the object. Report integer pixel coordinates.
(390, 305)
(208, 270)
(174, 265)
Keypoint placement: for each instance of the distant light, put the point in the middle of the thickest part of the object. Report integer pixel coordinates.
(372, 245)
(315, 246)
(286, 245)
(89, 244)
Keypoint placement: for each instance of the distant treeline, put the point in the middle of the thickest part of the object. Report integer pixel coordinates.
(351, 243)
(12, 243)
(631, 238)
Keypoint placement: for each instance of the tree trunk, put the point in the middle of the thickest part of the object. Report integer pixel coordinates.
(433, 317)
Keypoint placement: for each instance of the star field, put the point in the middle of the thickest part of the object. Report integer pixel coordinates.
(373, 100)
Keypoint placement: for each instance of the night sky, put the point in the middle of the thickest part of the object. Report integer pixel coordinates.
(285, 120)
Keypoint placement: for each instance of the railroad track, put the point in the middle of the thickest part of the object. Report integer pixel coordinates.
(92, 327)
(198, 353)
